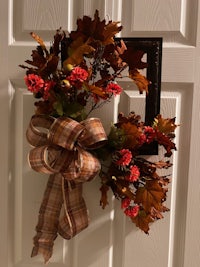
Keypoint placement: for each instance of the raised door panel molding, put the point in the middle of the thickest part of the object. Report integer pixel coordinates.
(169, 19)
(108, 9)
(178, 64)
(42, 16)
(45, 16)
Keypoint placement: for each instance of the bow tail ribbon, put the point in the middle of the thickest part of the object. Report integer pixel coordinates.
(63, 210)
(60, 152)
(48, 218)
(75, 218)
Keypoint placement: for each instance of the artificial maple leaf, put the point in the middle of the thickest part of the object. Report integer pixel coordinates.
(110, 30)
(120, 188)
(104, 198)
(163, 180)
(98, 91)
(86, 27)
(38, 60)
(57, 40)
(156, 214)
(96, 29)
(162, 164)
(77, 55)
(142, 220)
(102, 82)
(49, 67)
(146, 167)
(165, 126)
(74, 45)
(133, 58)
(122, 48)
(44, 65)
(140, 80)
(150, 195)
(112, 56)
(166, 142)
(132, 118)
(132, 133)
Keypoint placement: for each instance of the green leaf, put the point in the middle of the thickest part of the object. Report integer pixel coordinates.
(59, 108)
(75, 111)
(116, 137)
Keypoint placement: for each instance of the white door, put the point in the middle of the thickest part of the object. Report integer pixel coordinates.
(111, 240)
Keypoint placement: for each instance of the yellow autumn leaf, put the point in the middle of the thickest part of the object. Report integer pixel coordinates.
(165, 126)
(39, 40)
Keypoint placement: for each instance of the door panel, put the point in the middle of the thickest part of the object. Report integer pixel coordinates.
(111, 240)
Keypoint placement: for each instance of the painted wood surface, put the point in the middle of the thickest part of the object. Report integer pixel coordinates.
(111, 240)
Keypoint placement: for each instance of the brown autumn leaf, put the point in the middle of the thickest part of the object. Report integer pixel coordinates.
(97, 90)
(86, 27)
(166, 142)
(74, 45)
(156, 214)
(132, 133)
(44, 63)
(45, 66)
(111, 55)
(164, 180)
(60, 35)
(104, 198)
(77, 55)
(110, 30)
(38, 60)
(165, 126)
(142, 221)
(122, 48)
(96, 29)
(140, 80)
(133, 58)
(151, 195)
(162, 164)
(132, 118)
(121, 189)
(146, 167)
(51, 64)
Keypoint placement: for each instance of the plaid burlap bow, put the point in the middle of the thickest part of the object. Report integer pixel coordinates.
(61, 149)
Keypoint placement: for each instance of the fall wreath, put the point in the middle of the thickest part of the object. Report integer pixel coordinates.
(75, 76)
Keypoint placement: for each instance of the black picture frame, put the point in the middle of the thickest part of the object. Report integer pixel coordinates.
(152, 47)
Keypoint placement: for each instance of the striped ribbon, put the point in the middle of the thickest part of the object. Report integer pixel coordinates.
(61, 148)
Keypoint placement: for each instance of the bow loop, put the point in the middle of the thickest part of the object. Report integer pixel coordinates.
(49, 159)
(94, 135)
(65, 132)
(60, 146)
(83, 168)
(36, 133)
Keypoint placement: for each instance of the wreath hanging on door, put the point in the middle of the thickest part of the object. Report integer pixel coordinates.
(73, 147)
